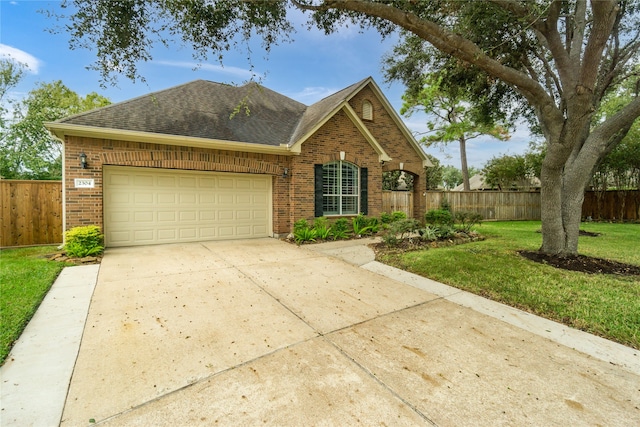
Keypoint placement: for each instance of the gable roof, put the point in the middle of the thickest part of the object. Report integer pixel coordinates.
(203, 109)
(215, 115)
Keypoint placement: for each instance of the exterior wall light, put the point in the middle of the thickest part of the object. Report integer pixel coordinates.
(285, 173)
(83, 160)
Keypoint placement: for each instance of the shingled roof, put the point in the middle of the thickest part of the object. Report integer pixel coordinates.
(204, 109)
(207, 114)
(250, 113)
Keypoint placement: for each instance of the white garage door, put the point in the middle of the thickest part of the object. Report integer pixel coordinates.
(144, 206)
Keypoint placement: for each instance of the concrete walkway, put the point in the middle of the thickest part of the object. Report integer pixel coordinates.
(35, 377)
(265, 332)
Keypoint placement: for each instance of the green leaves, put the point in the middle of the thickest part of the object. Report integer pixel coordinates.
(27, 149)
(84, 241)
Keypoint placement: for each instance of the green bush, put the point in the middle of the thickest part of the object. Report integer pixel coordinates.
(299, 225)
(360, 225)
(467, 220)
(428, 234)
(439, 217)
(322, 228)
(386, 218)
(340, 229)
(84, 241)
(373, 223)
(444, 231)
(399, 230)
(398, 215)
(303, 233)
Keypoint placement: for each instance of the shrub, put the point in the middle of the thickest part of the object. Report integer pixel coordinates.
(300, 225)
(302, 232)
(322, 228)
(398, 215)
(444, 231)
(361, 226)
(84, 241)
(438, 217)
(427, 234)
(386, 218)
(305, 235)
(467, 220)
(399, 230)
(340, 229)
(373, 223)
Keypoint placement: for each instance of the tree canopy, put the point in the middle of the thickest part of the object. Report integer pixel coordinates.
(561, 57)
(27, 149)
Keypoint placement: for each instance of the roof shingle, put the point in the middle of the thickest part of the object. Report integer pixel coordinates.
(204, 109)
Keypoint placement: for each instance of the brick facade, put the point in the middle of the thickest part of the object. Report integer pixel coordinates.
(293, 196)
(393, 141)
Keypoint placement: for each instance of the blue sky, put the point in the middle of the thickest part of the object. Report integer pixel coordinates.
(306, 69)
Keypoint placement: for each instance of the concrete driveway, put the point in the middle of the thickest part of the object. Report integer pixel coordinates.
(263, 332)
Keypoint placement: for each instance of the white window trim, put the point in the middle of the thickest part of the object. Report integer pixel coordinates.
(340, 195)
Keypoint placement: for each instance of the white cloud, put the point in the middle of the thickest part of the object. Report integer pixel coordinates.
(234, 71)
(31, 62)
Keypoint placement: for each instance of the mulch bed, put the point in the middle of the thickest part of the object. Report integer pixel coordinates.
(583, 264)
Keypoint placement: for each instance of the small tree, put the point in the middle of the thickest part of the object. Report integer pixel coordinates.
(28, 150)
(506, 172)
(454, 117)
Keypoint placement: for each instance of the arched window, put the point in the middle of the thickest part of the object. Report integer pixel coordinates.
(340, 188)
(367, 110)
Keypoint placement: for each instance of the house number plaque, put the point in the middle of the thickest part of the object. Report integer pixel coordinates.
(84, 183)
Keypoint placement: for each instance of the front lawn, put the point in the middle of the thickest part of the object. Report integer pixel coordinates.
(605, 305)
(25, 278)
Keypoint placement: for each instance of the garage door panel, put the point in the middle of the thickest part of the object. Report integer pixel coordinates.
(123, 217)
(166, 181)
(145, 236)
(148, 206)
(208, 233)
(225, 183)
(143, 217)
(142, 180)
(167, 198)
(187, 182)
(142, 198)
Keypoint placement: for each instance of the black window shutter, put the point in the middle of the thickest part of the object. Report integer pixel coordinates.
(317, 169)
(364, 191)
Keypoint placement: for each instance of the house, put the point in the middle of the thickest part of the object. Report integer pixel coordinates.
(207, 161)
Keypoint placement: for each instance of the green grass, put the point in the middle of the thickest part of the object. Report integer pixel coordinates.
(604, 305)
(25, 278)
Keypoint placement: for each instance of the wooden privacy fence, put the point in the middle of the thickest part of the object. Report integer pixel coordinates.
(521, 205)
(612, 205)
(393, 201)
(492, 205)
(30, 212)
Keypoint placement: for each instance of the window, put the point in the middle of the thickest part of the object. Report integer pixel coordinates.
(340, 188)
(367, 110)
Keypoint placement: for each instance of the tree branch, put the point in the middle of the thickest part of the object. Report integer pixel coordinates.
(577, 33)
(452, 44)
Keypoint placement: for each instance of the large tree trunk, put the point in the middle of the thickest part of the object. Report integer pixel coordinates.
(561, 198)
(463, 163)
